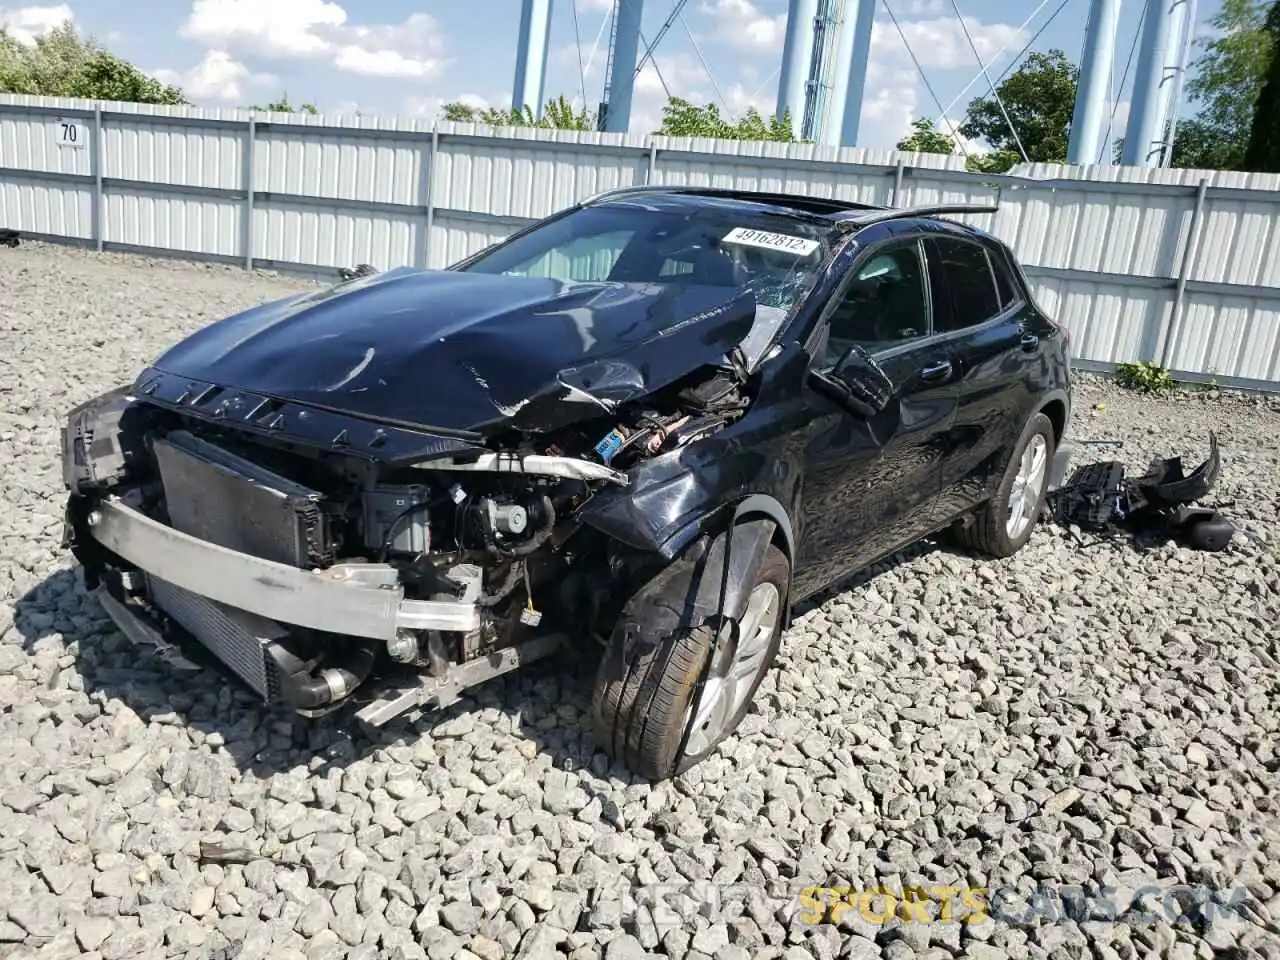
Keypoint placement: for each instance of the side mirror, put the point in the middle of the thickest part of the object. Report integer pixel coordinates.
(865, 388)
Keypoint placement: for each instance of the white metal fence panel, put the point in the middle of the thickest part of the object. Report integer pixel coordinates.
(293, 160)
(288, 232)
(45, 141)
(150, 150)
(190, 224)
(517, 177)
(1122, 256)
(1229, 337)
(41, 207)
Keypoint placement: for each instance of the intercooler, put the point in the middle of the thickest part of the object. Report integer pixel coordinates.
(237, 638)
(224, 499)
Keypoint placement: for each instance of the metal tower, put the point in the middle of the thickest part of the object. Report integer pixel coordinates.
(620, 67)
(1093, 93)
(531, 56)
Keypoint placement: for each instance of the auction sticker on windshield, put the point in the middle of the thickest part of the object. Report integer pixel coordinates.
(746, 236)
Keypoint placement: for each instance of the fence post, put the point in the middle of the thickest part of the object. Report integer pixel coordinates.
(251, 136)
(653, 162)
(426, 186)
(98, 219)
(898, 171)
(1187, 261)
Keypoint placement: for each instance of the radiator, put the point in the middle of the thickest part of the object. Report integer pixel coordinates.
(222, 498)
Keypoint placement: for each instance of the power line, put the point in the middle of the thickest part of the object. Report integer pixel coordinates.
(577, 42)
(990, 83)
(710, 76)
(650, 48)
(920, 70)
(656, 69)
(1003, 47)
(595, 47)
(1124, 77)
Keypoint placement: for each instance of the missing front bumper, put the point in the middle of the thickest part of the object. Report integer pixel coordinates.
(237, 607)
(358, 600)
(406, 696)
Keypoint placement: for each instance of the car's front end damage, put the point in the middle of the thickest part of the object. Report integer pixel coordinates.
(381, 513)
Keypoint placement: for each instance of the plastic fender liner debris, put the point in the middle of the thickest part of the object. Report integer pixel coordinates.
(353, 273)
(1099, 498)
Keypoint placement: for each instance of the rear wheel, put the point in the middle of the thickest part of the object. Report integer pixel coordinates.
(641, 711)
(1003, 525)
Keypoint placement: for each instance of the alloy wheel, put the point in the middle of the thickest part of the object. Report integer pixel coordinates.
(736, 668)
(1024, 497)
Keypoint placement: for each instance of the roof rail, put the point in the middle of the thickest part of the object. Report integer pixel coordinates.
(798, 201)
(858, 221)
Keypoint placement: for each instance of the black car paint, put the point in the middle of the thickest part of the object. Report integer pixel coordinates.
(1007, 368)
(843, 491)
(496, 351)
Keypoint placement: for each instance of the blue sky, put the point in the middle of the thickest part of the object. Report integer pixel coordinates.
(408, 57)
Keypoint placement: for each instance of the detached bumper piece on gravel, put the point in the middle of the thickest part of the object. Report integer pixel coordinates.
(1098, 497)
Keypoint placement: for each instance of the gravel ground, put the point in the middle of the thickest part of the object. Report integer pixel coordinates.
(1085, 716)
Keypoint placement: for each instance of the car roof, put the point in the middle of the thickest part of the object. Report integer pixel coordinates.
(673, 197)
(828, 211)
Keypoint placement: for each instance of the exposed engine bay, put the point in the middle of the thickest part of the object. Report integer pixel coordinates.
(494, 531)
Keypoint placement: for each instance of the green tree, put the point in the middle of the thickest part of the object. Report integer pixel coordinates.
(284, 106)
(61, 63)
(993, 161)
(925, 138)
(680, 118)
(1039, 97)
(1263, 151)
(1231, 70)
(558, 114)
(1199, 145)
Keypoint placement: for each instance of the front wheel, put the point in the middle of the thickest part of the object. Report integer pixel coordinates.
(1002, 526)
(641, 711)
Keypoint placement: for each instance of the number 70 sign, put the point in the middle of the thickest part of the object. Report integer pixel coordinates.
(70, 133)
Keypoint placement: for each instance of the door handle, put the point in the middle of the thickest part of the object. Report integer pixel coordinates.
(936, 371)
(1029, 341)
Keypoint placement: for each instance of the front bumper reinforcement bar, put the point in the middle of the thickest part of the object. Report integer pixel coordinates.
(343, 599)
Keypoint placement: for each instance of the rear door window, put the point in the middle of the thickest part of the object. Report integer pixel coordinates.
(1005, 284)
(965, 292)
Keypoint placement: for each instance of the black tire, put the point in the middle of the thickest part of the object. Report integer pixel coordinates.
(639, 709)
(985, 532)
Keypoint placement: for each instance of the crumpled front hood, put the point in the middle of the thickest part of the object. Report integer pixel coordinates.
(468, 351)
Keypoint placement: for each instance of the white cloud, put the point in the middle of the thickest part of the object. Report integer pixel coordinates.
(682, 72)
(890, 103)
(216, 77)
(280, 27)
(413, 49)
(383, 63)
(428, 108)
(744, 24)
(26, 23)
(914, 9)
(940, 43)
(595, 6)
(739, 99)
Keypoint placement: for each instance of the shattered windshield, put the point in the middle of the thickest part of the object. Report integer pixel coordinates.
(774, 256)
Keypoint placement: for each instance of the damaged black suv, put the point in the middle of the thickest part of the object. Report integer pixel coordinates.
(648, 426)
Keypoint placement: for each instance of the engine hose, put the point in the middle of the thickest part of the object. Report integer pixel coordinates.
(312, 691)
(507, 585)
